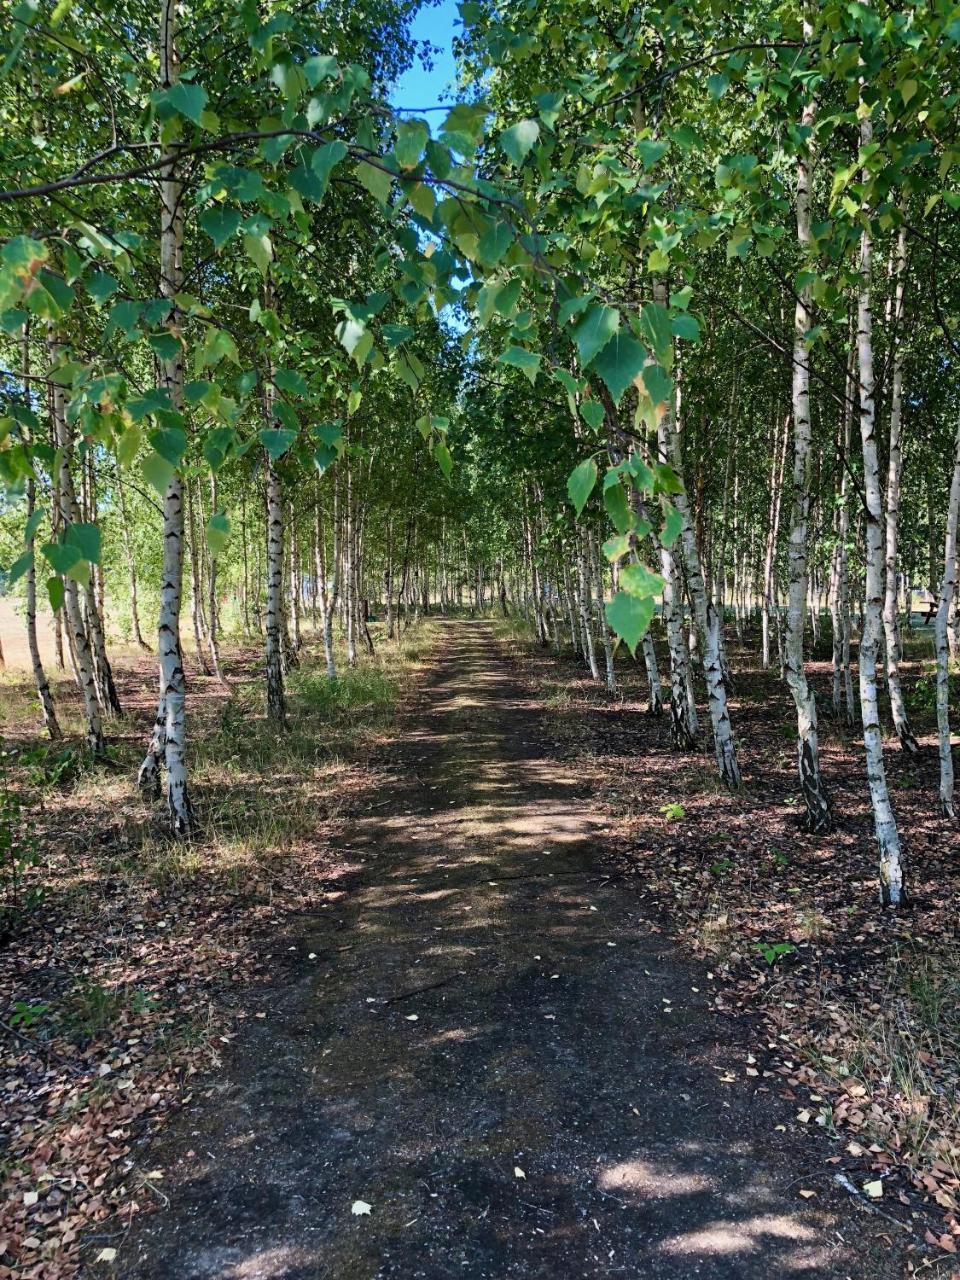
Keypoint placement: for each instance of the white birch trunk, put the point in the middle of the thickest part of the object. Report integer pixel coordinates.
(706, 616)
(655, 704)
(819, 818)
(169, 734)
(583, 602)
(50, 722)
(892, 514)
(66, 494)
(948, 588)
(888, 839)
(276, 703)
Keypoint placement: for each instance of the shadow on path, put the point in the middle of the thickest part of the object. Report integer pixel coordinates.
(482, 1002)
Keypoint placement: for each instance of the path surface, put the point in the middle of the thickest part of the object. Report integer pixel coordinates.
(482, 1002)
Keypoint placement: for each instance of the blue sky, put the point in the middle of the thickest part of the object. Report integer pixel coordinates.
(419, 87)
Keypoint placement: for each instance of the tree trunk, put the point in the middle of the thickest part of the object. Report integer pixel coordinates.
(131, 565)
(819, 818)
(768, 600)
(71, 592)
(583, 602)
(948, 587)
(888, 840)
(170, 735)
(196, 582)
(706, 615)
(890, 626)
(655, 704)
(295, 602)
(50, 722)
(213, 607)
(276, 704)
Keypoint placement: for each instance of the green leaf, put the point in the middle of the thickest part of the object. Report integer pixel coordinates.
(685, 326)
(19, 568)
(616, 548)
(259, 249)
(617, 506)
(443, 459)
(128, 446)
(291, 381)
(276, 440)
(170, 443)
(650, 152)
(326, 158)
(187, 99)
(86, 538)
(655, 327)
(423, 200)
(32, 525)
(61, 556)
(592, 413)
(494, 243)
(101, 286)
(218, 532)
(581, 483)
(521, 358)
(629, 617)
(518, 140)
(672, 527)
(324, 457)
(164, 344)
(220, 223)
(640, 581)
(376, 180)
(55, 592)
(157, 472)
(320, 67)
(124, 316)
(412, 136)
(659, 384)
(619, 362)
(330, 434)
(595, 330)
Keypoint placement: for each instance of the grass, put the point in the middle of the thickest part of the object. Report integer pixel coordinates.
(900, 1047)
(260, 792)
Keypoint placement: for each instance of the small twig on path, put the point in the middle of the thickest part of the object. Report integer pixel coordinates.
(43, 1050)
(842, 1180)
(430, 986)
(552, 1212)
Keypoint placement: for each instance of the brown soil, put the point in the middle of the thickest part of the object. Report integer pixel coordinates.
(486, 1040)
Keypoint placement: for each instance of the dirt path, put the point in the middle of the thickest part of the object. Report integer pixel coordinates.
(482, 1002)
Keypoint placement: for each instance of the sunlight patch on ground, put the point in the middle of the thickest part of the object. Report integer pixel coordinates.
(737, 1237)
(657, 1181)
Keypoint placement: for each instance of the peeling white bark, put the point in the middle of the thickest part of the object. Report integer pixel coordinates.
(66, 495)
(891, 631)
(819, 818)
(888, 839)
(171, 735)
(948, 588)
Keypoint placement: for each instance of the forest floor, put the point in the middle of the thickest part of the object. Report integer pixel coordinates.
(481, 1058)
(403, 1013)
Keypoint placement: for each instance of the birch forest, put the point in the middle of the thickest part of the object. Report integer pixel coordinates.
(464, 468)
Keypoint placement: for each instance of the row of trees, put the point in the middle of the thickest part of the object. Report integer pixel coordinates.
(703, 269)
